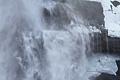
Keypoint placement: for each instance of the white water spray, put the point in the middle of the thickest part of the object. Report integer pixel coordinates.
(42, 40)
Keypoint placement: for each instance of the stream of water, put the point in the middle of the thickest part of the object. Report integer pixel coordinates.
(42, 40)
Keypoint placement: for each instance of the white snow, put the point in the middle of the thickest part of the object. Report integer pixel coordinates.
(112, 17)
(102, 63)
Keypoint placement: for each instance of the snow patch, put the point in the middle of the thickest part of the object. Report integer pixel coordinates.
(102, 63)
(112, 17)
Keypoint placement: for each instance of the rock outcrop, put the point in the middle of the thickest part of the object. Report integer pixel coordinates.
(106, 76)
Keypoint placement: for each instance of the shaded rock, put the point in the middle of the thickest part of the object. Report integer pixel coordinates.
(85, 9)
(47, 15)
(59, 16)
(113, 44)
(46, 12)
(101, 42)
(93, 12)
(105, 76)
(115, 3)
(118, 65)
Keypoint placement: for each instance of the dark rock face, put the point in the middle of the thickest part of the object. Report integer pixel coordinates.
(113, 44)
(90, 11)
(101, 42)
(93, 12)
(105, 76)
(58, 16)
(47, 15)
(118, 64)
(115, 3)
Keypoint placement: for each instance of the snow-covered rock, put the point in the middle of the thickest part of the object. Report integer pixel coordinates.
(112, 17)
(102, 63)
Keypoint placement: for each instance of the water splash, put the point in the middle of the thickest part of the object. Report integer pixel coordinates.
(42, 40)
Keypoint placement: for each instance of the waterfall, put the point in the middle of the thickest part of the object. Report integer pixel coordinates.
(43, 40)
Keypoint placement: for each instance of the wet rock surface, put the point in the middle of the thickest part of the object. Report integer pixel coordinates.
(101, 63)
(101, 42)
(106, 76)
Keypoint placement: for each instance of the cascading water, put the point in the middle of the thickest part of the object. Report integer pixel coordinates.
(42, 40)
